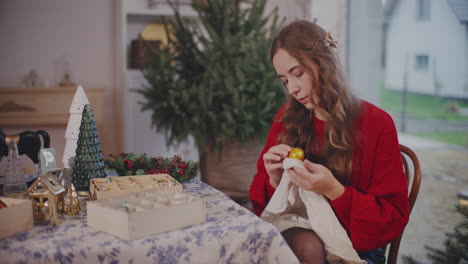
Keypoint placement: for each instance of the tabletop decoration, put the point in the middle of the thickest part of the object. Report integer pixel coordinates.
(31, 79)
(73, 129)
(47, 196)
(48, 161)
(134, 215)
(65, 64)
(127, 164)
(88, 160)
(102, 188)
(15, 183)
(15, 216)
(72, 204)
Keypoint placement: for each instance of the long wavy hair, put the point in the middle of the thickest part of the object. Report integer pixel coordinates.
(306, 42)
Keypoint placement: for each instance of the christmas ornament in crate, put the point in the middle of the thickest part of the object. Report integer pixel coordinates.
(47, 194)
(117, 186)
(88, 162)
(146, 213)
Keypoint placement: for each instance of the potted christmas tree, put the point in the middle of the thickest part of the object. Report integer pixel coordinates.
(214, 81)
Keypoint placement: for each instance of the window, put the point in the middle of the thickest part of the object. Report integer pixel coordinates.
(421, 63)
(423, 9)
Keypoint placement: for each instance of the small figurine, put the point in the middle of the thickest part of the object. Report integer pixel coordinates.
(31, 79)
(72, 204)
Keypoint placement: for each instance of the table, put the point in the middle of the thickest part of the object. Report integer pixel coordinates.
(231, 234)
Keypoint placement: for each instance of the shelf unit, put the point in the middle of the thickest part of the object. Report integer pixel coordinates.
(36, 106)
(137, 134)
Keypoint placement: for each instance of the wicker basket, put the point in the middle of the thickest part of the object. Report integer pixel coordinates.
(231, 169)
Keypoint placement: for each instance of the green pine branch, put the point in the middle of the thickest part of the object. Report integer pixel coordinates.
(214, 80)
(143, 165)
(455, 246)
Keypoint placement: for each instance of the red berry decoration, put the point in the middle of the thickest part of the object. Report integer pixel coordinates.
(128, 164)
(181, 171)
(182, 165)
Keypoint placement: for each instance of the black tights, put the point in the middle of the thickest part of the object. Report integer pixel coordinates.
(306, 245)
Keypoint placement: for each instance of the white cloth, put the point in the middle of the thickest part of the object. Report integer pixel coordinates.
(292, 206)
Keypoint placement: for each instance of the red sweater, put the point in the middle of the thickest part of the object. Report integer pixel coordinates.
(374, 208)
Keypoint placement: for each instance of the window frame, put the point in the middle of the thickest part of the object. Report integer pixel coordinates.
(423, 10)
(421, 62)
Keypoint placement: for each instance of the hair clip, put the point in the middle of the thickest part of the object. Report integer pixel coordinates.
(330, 41)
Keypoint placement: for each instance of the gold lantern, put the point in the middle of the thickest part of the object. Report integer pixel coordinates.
(47, 195)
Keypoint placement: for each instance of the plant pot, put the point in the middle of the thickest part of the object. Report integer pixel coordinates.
(231, 169)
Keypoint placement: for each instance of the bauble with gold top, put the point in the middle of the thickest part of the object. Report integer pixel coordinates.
(296, 153)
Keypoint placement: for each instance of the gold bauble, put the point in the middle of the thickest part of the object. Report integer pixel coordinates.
(296, 153)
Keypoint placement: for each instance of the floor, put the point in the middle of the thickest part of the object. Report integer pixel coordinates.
(444, 171)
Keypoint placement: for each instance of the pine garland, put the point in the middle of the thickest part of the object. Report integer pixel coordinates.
(126, 164)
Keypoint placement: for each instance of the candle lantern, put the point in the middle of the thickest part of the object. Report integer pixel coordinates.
(47, 196)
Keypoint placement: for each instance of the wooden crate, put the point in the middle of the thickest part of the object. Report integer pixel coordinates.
(101, 188)
(16, 217)
(146, 213)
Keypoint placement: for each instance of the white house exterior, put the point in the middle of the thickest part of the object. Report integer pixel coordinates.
(429, 40)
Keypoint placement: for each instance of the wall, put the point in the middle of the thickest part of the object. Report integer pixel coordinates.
(290, 10)
(465, 89)
(365, 48)
(40, 35)
(331, 16)
(442, 38)
(358, 30)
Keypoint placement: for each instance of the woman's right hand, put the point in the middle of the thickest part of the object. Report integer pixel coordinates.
(273, 161)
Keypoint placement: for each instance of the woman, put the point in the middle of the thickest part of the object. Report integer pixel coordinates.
(352, 151)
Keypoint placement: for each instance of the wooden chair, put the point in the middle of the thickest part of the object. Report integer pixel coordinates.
(413, 194)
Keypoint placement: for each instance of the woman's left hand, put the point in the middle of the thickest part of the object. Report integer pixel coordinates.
(316, 178)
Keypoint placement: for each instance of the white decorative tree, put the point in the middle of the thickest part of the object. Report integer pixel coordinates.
(73, 129)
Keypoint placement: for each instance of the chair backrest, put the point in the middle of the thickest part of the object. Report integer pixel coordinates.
(413, 184)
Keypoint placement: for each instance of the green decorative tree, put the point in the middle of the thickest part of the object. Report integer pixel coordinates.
(89, 162)
(214, 79)
(455, 245)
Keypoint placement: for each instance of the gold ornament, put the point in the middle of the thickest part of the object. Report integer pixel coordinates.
(296, 153)
(72, 204)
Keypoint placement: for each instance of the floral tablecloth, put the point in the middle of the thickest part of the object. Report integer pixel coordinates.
(231, 234)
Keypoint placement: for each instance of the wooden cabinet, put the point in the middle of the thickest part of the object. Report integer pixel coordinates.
(37, 107)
